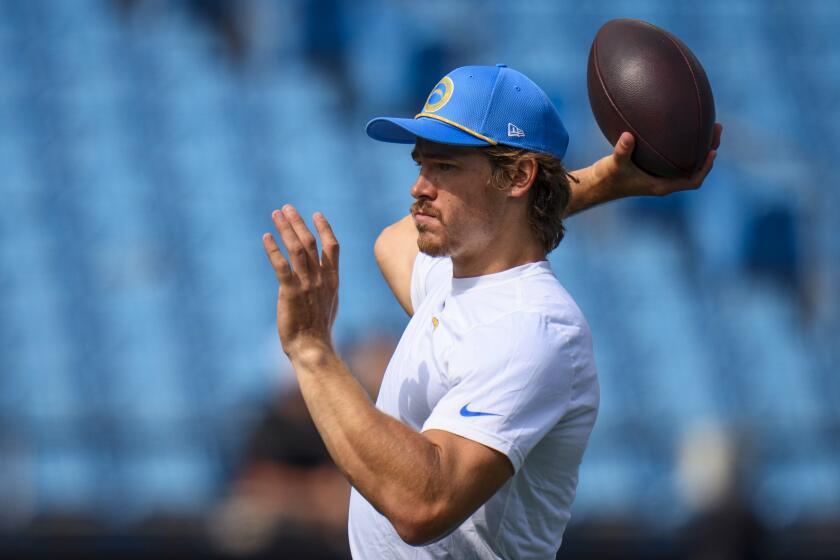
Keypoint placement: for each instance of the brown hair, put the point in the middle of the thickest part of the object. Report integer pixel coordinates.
(549, 195)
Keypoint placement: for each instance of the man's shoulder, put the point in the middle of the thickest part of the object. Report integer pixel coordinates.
(537, 331)
(532, 300)
(545, 294)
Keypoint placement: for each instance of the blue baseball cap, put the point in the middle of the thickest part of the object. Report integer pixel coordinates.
(481, 106)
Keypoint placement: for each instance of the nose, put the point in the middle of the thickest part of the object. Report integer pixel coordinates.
(423, 188)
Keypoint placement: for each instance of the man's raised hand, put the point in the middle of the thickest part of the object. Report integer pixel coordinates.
(634, 182)
(307, 299)
(616, 176)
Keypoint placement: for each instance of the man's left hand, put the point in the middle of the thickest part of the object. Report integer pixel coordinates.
(307, 299)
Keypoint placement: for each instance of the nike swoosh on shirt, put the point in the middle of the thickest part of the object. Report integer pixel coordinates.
(466, 412)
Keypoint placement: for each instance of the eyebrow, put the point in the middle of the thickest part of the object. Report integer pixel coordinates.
(417, 154)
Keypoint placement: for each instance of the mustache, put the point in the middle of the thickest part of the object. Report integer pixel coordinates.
(423, 207)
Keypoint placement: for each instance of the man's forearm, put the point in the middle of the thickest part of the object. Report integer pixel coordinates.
(588, 191)
(394, 467)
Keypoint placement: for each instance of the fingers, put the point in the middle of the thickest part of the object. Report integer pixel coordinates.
(718, 131)
(298, 256)
(303, 234)
(278, 262)
(329, 243)
(305, 266)
(697, 179)
(708, 164)
(624, 147)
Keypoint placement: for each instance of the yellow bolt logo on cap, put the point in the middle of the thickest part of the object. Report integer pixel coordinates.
(440, 95)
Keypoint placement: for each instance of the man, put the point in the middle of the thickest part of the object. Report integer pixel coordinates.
(473, 447)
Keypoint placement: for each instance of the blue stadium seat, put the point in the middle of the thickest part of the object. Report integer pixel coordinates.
(137, 171)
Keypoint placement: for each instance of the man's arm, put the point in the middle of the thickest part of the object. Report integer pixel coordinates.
(425, 484)
(610, 178)
(395, 250)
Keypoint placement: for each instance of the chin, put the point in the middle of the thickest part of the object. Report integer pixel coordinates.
(432, 247)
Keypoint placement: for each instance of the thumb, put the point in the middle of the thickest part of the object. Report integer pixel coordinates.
(624, 147)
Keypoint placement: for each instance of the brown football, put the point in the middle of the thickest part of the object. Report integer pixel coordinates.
(644, 80)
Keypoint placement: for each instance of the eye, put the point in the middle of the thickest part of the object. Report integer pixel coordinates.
(444, 166)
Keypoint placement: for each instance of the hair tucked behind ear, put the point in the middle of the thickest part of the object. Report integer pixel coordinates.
(549, 195)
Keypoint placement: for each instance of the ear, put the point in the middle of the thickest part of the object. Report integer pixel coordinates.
(523, 177)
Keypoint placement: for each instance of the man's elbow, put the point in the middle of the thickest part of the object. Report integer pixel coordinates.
(418, 535)
(424, 525)
(380, 247)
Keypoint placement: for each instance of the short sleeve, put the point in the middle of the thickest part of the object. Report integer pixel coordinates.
(428, 272)
(510, 383)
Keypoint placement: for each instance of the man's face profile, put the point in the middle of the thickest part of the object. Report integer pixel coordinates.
(456, 210)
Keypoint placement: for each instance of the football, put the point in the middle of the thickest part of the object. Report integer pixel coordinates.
(644, 80)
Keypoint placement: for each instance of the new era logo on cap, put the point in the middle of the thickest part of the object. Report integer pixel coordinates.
(515, 132)
(481, 106)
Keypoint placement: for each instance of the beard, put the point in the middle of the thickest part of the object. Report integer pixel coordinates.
(427, 242)
(431, 246)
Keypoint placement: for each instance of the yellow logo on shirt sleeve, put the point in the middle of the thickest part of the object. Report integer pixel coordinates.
(435, 322)
(440, 95)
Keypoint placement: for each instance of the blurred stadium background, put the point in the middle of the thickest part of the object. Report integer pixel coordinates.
(144, 405)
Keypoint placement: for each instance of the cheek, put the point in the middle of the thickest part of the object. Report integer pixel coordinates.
(448, 207)
(485, 205)
(469, 205)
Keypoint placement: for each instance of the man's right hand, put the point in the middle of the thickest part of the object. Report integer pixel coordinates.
(616, 176)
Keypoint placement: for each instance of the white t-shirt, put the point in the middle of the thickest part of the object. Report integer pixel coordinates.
(505, 360)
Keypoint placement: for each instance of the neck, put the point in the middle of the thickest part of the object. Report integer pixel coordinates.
(510, 248)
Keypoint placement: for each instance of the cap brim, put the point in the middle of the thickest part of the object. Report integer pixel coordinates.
(406, 131)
